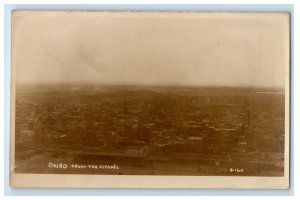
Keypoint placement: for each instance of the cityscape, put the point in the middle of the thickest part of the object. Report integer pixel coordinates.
(90, 128)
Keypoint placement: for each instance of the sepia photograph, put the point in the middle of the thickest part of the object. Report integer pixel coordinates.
(141, 99)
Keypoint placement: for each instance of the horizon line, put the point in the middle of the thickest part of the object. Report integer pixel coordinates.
(166, 84)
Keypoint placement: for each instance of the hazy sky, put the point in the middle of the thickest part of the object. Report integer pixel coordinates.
(149, 48)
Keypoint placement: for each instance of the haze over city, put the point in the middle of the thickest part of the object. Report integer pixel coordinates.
(141, 48)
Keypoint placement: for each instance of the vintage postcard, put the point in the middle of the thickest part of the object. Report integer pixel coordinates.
(150, 99)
